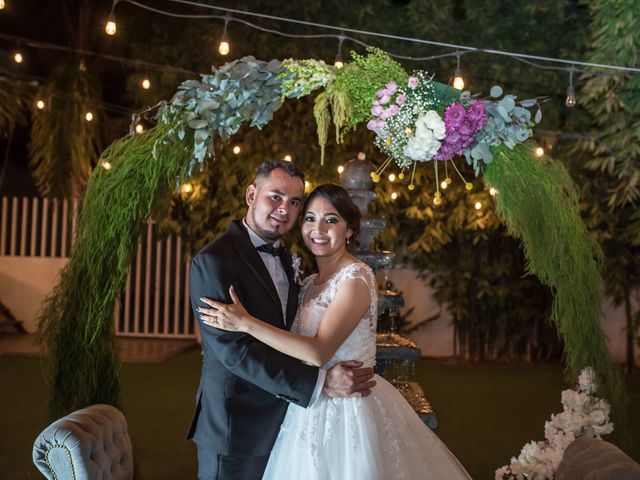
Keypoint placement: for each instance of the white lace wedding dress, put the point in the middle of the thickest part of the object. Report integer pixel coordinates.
(378, 437)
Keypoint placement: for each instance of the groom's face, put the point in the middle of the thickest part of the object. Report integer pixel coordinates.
(274, 203)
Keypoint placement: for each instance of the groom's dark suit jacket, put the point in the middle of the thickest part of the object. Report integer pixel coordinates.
(245, 385)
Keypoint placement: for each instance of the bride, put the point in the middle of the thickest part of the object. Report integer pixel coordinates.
(375, 437)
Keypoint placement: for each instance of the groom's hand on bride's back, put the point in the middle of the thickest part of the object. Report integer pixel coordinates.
(349, 379)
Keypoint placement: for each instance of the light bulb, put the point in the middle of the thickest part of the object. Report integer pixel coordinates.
(2, 5)
(468, 186)
(493, 191)
(106, 165)
(478, 206)
(458, 81)
(89, 116)
(146, 84)
(570, 101)
(307, 185)
(538, 152)
(392, 177)
(340, 169)
(139, 128)
(236, 149)
(287, 158)
(338, 64)
(187, 188)
(110, 26)
(444, 185)
(40, 105)
(223, 47)
(394, 195)
(437, 200)
(18, 58)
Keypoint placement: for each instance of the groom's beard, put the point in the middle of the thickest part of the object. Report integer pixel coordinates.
(270, 236)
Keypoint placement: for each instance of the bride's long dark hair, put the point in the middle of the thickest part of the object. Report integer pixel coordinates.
(342, 202)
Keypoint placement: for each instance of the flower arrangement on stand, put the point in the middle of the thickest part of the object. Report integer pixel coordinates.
(583, 415)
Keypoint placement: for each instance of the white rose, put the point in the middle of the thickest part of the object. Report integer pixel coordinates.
(435, 123)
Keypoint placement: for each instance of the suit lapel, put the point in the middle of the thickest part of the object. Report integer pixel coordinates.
(251, 258)
(292, 299)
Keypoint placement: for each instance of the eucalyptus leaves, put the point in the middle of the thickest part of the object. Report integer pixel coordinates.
(247, 90)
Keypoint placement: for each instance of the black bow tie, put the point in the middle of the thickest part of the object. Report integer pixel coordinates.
(275, 251)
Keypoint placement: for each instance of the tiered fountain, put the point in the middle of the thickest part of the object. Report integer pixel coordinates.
(395, 354)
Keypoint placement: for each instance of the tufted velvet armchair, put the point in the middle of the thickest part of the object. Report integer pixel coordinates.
(88, 444)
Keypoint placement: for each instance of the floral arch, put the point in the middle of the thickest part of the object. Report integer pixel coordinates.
(416, 120)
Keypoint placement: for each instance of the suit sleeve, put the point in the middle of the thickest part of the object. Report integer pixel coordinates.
(241, 354)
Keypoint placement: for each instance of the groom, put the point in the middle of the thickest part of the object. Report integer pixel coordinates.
(245, 385)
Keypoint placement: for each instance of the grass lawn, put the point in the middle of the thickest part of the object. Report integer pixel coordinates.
(486, 412)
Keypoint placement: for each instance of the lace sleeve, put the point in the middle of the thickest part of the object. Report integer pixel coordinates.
(356, 270)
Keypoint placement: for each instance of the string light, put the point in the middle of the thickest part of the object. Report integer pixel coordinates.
(2, 5)
(458, 81)
(437, 199)
(339, 62)
(478, 205)
(538, 152)
(236, 149)
(139, 128)
(89, 116)
(146, 84)
(186, 187)
(307, 185)
(469, 186)
(18, 57)
(401, 176)
(106, 165)
(570, 101)
(223, 47)
(340, 168)
(493, 191)
(392, 177)
(110, 27)
(394, 195)
(40, 105)
(287, 158)
(444, 185)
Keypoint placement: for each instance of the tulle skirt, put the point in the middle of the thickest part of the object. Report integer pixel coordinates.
(379, 437)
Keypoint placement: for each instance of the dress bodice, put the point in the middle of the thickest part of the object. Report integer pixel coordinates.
(314, 301)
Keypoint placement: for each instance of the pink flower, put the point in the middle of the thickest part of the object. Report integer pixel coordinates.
(393, 109)
(376, 110)
(375, 125)
(413, 82)
(385, 99)
(381, 92)
(401, 99)
(392, 87)
(386, 113)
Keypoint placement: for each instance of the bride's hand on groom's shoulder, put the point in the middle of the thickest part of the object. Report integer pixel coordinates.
(232, 317)
(349, 379)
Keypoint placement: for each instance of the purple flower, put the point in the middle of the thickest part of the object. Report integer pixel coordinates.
(385, 99)
(393, 109)
(413, 82)
(376, 110)
(477, 113)
(468, 127)
(381, 92)
(375, 125)
(454, 116)
(401, 99)
(392, 87)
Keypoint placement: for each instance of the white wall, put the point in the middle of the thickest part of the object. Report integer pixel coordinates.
(436, 338)
(24, 283)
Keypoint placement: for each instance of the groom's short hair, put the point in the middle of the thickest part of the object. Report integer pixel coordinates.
(265, 169)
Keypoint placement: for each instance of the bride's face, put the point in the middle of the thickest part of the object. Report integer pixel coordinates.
(323, 229)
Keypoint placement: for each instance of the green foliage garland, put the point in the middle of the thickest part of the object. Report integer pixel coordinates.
(537, 200)
(76, 324)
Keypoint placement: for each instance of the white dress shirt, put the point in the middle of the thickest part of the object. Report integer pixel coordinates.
(281, 282)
